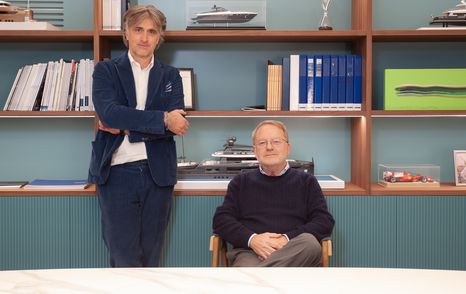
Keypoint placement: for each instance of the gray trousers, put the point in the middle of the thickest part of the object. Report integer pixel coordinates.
(301, 251)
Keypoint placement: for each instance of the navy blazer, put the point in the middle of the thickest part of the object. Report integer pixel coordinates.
(114, 97)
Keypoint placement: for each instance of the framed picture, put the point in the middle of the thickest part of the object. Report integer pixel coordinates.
(187, 77)
(459, 157)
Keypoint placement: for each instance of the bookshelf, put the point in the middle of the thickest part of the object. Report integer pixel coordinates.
(360, 38)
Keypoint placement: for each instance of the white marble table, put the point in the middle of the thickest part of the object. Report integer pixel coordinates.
(231, 280)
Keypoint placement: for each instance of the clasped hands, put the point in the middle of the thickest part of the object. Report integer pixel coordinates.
(175, 121)
(267, 243)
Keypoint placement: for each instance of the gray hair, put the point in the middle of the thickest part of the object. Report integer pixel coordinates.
(276, 123)
(138, 13)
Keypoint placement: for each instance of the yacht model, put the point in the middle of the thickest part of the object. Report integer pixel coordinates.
(455, 16)
(221, 15)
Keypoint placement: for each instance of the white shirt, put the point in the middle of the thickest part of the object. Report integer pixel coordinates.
(129, 152)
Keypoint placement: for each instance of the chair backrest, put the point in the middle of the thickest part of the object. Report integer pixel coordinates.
(219, 251)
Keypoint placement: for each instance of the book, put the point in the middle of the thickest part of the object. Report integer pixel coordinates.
(341, 82)
(12, 184)
(31, 25)
(39, 184)
(318, 83)
(334, 82)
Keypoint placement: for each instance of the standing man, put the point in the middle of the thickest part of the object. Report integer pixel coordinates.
(274, 215)
(140, 104)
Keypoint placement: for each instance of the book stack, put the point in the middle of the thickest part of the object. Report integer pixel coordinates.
(274, 86)
(318, 83)
(53, 86)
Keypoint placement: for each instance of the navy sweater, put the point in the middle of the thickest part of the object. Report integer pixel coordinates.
(290, 204)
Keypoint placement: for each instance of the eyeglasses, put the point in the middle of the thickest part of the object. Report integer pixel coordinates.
(277, 142)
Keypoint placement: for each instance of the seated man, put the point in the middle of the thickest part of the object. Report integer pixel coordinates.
(273, 215)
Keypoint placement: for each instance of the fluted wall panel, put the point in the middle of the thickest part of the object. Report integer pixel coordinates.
(365, 232)
(388, 231)
(432, 232)
(188, 233)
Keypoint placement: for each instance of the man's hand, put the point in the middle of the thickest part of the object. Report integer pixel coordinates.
(177, 123)
(106, 129)
(267, 243)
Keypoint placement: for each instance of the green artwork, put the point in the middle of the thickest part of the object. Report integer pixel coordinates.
(425, 89)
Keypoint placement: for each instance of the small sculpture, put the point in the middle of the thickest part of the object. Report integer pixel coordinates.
(325, 22)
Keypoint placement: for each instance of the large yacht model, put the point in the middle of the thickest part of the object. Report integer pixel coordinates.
(455, 16)
(221, 15)
(10, 13)
(232, 160)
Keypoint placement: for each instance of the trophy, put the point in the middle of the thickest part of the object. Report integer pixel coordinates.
(325, 22)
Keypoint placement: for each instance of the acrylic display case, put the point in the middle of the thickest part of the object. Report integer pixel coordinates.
(225, 15)
(409, 175)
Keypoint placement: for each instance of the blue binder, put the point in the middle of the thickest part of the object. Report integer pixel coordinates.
(302, 105)
(333, 82)
(341, 82)
(357, 90)
(310, 82)
(318, 82)
(286, 83)
(349, 81)
(326, 82)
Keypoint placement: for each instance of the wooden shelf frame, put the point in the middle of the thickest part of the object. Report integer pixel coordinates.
(360, 38)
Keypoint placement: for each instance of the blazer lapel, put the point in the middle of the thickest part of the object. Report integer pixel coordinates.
(125, 73)
(155, 79)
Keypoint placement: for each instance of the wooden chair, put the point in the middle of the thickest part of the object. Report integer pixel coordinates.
(219, 251)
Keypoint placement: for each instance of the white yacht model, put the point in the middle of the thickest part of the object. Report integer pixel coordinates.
(221, 15)
(455, 16)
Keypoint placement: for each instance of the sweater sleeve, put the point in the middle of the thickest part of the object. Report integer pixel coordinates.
(319, 220)
(226, 219)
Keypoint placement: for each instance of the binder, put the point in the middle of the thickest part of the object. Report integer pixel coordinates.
(357, 90)
(302, 82)
(318, 83)
(333, 82)
(341, 82)
(326, 82)
(349, 82)
(310, 83)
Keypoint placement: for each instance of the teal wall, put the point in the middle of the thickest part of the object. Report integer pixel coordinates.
(402, 14)
(281, 15)
(391, 231)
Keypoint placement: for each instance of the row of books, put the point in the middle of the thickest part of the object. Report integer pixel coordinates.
(315, 82)
(45, 185)
(112, 13)
(53, 86)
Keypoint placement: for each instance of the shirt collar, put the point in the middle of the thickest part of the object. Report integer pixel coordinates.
(283, 171)
(134, 62)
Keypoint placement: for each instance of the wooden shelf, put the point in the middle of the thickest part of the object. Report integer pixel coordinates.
(46, 114)
(90, 191)
(418, 113)
(238, 113)
(47, 36)
(210, 36)
(419, 35)
(445, 189)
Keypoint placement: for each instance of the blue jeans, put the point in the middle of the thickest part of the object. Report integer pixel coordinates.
(135, 213)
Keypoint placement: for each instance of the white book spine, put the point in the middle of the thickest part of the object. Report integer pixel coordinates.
(12, 90)
(294, 82)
